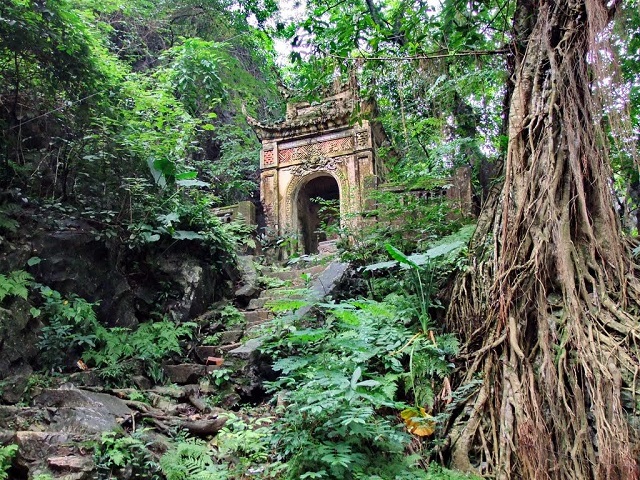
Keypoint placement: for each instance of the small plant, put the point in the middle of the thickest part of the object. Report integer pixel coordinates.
(117, 451)
(15, 283)
(290, 300)
(212, 339)
(271, 282)
(221, 376)
(36, 382)
(6, 456)
(43, 476)
(230, 316)
(71, 328)
(245, 443)
(191, 459)
(7, 223)
(137, 396)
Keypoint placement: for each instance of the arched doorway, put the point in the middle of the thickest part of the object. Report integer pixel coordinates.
(318, 211)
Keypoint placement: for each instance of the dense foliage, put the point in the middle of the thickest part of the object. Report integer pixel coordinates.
(131, 116)
(127, 112)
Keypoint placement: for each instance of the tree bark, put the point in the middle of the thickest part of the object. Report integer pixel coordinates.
(549, 309)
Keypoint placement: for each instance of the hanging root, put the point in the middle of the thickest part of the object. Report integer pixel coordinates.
(550, 313)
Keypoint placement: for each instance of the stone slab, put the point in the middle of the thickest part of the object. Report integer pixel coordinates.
(83, 412)
(246, 350)
(254, 317)
(187, 372)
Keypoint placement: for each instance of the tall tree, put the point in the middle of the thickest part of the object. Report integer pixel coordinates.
(549, 308)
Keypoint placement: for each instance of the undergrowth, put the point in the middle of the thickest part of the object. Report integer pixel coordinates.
(6, 456)
(342, 387)
(72, 335)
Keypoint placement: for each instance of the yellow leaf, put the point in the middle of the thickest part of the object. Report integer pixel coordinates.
(418, 421)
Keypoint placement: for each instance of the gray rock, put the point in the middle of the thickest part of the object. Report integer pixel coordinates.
(256, 303)
(230, 336)
(325, 284)
(80, 411)
(71, 463)
(14, 418)
(249, 278)
(205, 351)
(47, 452)
(86, 378)
(74, 261)
(142, 382)
(248, 349)
(13, 387)
(187, 372)
(18, 338)
(195, 280)
(6, 436)
(35, 446)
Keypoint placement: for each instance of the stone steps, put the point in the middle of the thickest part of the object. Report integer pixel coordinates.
(257, 312)
(328, 247)
(297, 275)
(232, 343)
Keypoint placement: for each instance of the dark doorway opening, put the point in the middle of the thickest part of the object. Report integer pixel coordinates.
(318, 206)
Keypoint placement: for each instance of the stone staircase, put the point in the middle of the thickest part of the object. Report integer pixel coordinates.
(257, 312)
(300, 283)
(240, 343)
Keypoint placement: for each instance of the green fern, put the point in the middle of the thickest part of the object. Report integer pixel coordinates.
(71, 326)
(117, 451)
(7, 223)
(191, 459)
(290, 300)
(150, 343)
(15, 283)
(6, 456)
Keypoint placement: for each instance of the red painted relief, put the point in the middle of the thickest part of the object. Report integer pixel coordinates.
(314, 150)
(268, 158)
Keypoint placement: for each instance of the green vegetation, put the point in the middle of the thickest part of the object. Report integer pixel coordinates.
(505, 346)
(15, 283)
(191, 458)
(7, 453)
(115, 452)
(72, 332)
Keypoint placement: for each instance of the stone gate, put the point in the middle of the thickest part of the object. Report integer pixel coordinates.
(321, 153)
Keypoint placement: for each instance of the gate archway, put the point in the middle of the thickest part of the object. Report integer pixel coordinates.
(317, 210)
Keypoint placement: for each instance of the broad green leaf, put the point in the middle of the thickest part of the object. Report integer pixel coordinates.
(186, 175)
(192, 183)
(186, 235)
(34, 261)
(399, 256)
(355, 377)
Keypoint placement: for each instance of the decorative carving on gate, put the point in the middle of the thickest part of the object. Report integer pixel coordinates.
(316, 164)
(311, 151)
(268, 158)
(362, 139)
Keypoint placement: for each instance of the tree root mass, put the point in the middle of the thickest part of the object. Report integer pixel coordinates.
(550, 310)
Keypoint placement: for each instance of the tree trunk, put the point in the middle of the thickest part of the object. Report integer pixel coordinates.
(549, 310)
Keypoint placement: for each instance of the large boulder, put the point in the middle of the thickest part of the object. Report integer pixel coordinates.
(195, 284)
(81, 411)
(18, 340)
(79, 261)
(249, 286)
